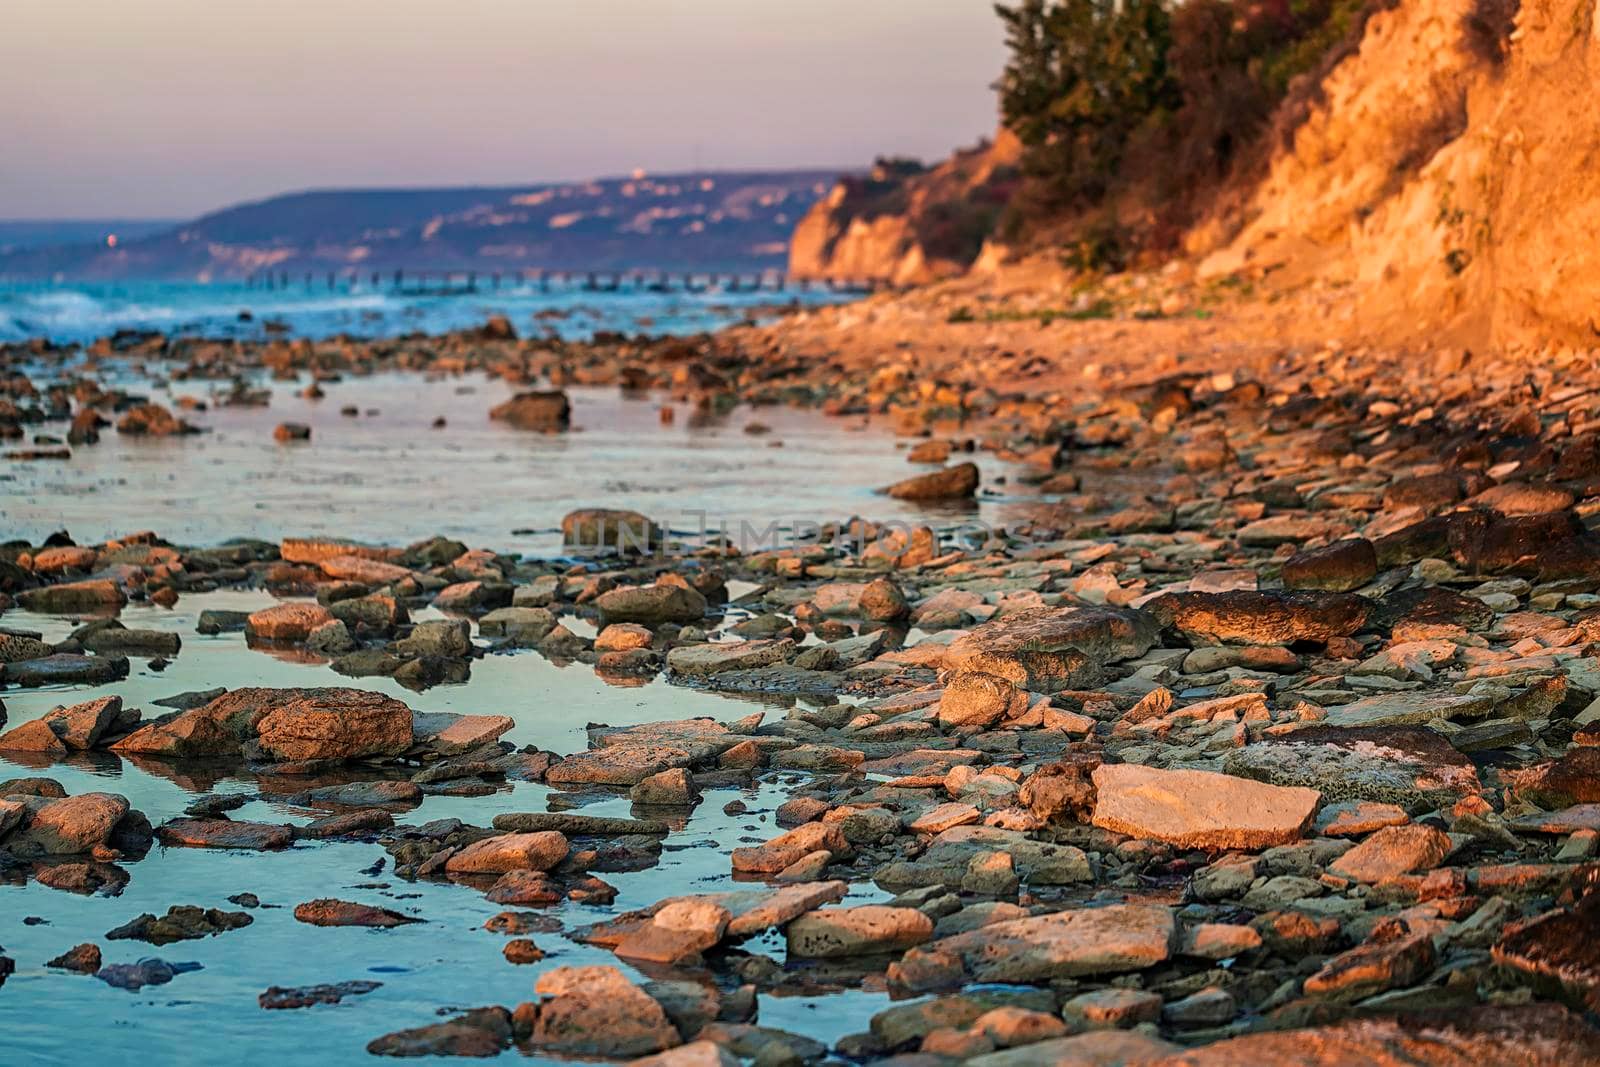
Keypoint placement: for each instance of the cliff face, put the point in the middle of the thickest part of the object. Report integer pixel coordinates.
(1450, 177)
(906, 225)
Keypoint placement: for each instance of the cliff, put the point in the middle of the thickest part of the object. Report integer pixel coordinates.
(1450, 176)
(905, 224)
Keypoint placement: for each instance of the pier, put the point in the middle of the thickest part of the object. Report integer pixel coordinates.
(425, 282)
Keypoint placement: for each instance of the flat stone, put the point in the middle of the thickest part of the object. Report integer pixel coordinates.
(538, 850)
(224, 833)
(330, 912)
(65, 668)
(1098, 1048)
(700, 661)
(1069, 944)
(1544, 1034)
(844, 932)
(1393, 851)
(286, 622)
(1200, 809)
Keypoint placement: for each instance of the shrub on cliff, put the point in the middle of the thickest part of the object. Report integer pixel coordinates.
(1135, 114)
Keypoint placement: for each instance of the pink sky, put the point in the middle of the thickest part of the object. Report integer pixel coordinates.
(134, 108)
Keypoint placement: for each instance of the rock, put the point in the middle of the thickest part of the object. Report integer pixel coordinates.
(152, 420)
(596, 1012)
(948, 483)
(81, 959)
(672, 788)
(1113, 1008)
(180, 923)
(882, 601)
(481, 1032)
(278, 998)
(1200, 809)
(694, 1054)
(975, 699)
(1393, 851)
(651, 604)
(1572, 779)
(1050, 649)
(329, 912)
(625, 531)
(80, 726)
(524, 627)
(223, 833)
(1522, 498)
(545, 412)
(72, 598)
(1067, 944)
(286, 622)
(1098, 1048)
(214, 621)
(1392, 957)
(829, 933)
(701, 661)
(538, 850)
(363, 569)
(1336, 568)
(33, 736)
(1542, 1034)
(65, 669)
(110, 638)
(73, 825)
(788, 848)
(15, 648)
(335, 724)
(135, 976)
(1253, 617)
(1559, 945)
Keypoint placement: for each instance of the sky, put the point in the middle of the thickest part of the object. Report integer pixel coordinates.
(170, 108)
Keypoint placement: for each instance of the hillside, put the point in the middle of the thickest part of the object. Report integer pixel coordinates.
(1431, 175)
(704, 221)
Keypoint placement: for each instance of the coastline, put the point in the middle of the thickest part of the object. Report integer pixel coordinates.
(1271, 723)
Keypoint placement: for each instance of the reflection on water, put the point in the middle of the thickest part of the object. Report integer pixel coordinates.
(392, 477)
(51, 1017)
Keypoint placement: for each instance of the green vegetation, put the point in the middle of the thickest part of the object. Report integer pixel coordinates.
(1135, 114)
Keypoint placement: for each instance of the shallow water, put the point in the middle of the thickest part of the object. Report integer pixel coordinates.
(391, 477)
(52, 1017)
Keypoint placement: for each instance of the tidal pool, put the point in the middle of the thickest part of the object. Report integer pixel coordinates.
(53, 1017)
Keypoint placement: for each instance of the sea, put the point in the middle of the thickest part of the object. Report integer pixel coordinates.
(78, 312)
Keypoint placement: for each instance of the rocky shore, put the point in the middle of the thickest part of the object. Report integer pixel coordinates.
(1273, 734)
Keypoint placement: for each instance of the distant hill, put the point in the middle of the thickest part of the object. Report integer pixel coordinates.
(17, 234)
(722, 221)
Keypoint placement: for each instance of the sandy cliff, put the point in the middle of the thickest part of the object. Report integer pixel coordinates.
(907, 228)
(1455, 190)
(1443, 188)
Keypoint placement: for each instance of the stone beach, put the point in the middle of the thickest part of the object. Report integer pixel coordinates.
(1261, 725)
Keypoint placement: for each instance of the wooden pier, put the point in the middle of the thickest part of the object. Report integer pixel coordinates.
(429, 282)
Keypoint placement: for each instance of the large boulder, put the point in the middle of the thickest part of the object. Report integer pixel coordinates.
(336, 724)
(1050, 649)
